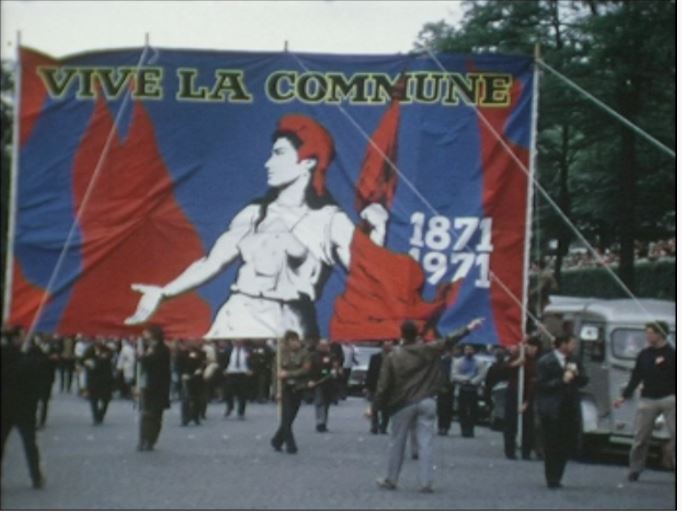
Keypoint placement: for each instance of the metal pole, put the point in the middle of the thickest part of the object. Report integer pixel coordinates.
(529, 234)
(14, 175)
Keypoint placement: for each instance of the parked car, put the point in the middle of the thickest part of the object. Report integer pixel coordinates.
(358, 374)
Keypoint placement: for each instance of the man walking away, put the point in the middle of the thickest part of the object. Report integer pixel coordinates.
(656, 367)
(409, 381)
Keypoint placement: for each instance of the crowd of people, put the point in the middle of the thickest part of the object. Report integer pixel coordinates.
(660, 250)
(410, 385)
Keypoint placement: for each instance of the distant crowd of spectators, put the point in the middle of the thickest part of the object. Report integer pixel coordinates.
(644, 252)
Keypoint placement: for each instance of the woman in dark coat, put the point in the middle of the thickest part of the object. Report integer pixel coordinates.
(154, 386)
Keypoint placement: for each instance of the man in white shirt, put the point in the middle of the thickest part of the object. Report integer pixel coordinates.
(237, 377)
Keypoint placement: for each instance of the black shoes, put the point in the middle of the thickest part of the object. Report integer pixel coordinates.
(323, 428)
(39, 482)
(633, 476)
(554, 485)
(277, 447)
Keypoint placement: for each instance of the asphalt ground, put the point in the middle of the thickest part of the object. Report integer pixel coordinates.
(229, 464)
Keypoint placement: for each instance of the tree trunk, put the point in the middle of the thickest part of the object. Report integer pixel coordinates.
(627, 217)
(565, 205)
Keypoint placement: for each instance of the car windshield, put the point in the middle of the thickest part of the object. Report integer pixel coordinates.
(363, 353)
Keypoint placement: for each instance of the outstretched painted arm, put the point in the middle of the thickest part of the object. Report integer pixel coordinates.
(224, 251)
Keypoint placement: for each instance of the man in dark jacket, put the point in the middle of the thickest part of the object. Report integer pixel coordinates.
(371, 382)
(20, 391)
(155, 387)
(192, 377)
(511, 403)
(446, 395)
(324, 369)
(292, 377)
(656, 368)
(410, 378)
(559, 377)
(44, 353)
(100, 379)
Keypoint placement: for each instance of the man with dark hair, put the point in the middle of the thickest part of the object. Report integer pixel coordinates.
(468, 373)
(20, 391)
(100, 379)
(371, 381)
(237, 377)
(409, 380)
(292, 379)
(155, 386)
(559, 376)
(325, 368)
(656, 367)
(528, 359)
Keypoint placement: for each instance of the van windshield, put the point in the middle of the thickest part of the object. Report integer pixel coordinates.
(627, 343)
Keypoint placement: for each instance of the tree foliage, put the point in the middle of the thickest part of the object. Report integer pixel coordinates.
(613, 184)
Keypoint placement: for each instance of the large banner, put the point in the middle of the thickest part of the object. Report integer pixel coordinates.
(242, 194)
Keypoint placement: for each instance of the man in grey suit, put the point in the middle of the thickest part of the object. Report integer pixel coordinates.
(410, 379)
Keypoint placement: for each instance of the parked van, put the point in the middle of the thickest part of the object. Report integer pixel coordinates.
(610, 334)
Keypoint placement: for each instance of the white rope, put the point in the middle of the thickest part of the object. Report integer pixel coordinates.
(556, 207)
(86, 197)
(608, 109)
(426, 202)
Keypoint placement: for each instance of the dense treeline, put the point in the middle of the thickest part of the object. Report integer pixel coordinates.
(613, 184)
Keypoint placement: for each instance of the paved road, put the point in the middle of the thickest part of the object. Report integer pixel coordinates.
(229, 464)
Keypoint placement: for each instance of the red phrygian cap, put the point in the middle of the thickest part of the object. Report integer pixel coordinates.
(315, 143)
